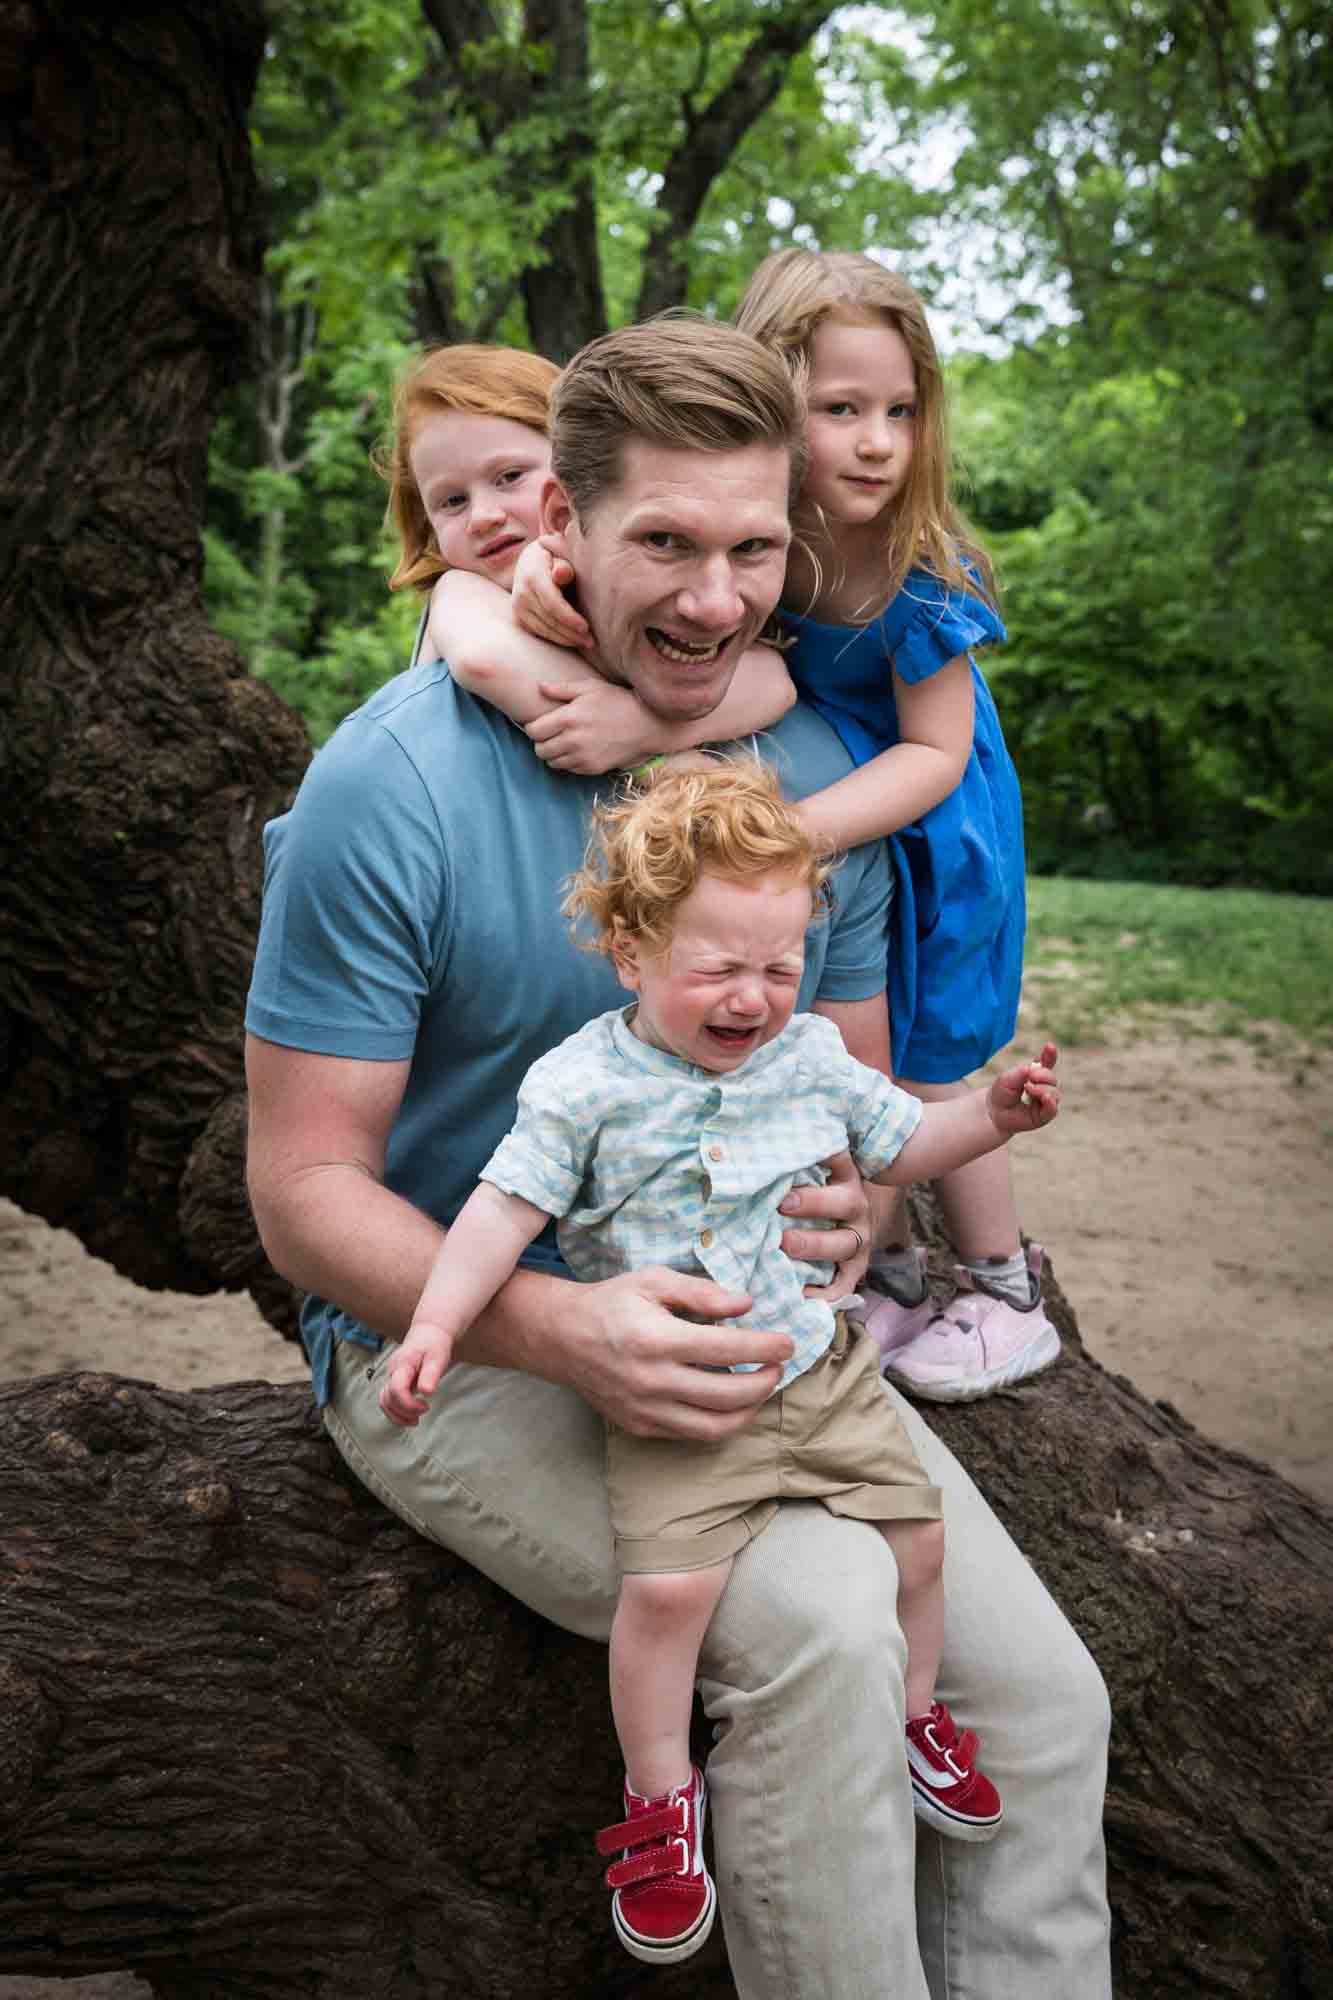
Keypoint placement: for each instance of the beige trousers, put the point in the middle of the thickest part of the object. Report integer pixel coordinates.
(829, 1889)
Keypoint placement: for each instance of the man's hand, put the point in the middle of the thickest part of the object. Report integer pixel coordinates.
(415, 1371)
(1026, 1097)
(540, 606)
(843, 1201)
(624, 1347)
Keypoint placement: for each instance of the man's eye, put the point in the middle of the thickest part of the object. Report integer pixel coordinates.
(660, 538)
(512, 476)
(754, 545)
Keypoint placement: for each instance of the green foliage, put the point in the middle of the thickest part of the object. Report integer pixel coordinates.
(1147, 198)
(396, 212)
(1157, 471)
(1161, 689)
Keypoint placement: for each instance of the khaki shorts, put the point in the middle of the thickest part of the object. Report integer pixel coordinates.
(832, 1435)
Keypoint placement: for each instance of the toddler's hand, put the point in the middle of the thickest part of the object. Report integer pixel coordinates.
(1026, 1097)
(415, 1371)
(540, 606)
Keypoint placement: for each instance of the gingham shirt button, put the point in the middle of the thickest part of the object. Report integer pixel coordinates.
(715, 1152)
(706, 1238)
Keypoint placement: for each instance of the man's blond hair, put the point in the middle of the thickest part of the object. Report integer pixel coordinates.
(649, 847)
(681, 382)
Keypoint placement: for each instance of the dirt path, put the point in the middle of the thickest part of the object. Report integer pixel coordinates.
(1185, 1196)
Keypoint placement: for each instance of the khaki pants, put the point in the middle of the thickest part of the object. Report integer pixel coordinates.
(833, 1893)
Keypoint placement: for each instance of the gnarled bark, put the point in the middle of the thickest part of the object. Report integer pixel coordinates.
(256, 1735)
(138, 763)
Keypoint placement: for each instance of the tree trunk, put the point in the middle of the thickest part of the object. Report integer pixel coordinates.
(257, 1738)
(138, 763)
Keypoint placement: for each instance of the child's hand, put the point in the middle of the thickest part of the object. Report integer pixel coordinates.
(539, 603)
(415, 1371)
(1026, 1097)
(593, 727)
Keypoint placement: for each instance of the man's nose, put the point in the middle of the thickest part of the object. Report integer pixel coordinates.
(710, 597)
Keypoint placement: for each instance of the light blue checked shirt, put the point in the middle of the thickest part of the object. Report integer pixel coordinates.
(649, 1159)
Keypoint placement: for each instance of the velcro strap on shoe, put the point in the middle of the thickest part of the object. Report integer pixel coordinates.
(646, 1826)
(672, 1859)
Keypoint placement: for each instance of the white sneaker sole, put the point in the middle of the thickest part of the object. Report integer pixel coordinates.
(1039, 1353)
(934, 1814)
(678, 1948)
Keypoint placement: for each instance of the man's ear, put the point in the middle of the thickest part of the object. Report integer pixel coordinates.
(557, 512)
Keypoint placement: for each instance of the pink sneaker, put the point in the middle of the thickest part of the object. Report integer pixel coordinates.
(890, 1323)
(977, 1344)
(664, 1901)
(948, 1791)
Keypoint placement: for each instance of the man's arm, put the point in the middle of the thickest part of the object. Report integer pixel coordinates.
(319, 1126)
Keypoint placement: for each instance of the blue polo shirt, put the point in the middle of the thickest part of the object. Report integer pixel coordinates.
(412, 912)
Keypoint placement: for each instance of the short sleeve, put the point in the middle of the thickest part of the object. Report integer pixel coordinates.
(934, 624)
(877, 1116)
(544, 1157)
(357, 899)
(856, 956)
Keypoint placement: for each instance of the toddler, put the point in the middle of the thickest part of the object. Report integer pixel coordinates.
(668, 1133)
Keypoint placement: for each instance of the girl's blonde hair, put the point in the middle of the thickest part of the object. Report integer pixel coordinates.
(476, 381)
(649, 846)
(790, 296)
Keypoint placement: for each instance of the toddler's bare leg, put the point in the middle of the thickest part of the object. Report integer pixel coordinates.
(918, 1550)
(660, 1621)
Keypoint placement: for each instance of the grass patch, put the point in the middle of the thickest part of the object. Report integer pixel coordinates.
(1221, 961)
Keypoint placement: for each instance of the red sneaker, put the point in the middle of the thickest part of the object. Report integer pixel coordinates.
(948, 1792)
(664, 1901)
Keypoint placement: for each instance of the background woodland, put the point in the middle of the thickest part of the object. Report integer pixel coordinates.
(1120, 210)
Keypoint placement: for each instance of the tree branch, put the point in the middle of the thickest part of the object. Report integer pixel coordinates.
(710, 140)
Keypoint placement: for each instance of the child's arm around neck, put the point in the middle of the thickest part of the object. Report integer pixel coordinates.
(577, 719)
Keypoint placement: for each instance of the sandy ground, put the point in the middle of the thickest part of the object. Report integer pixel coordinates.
(1185, 1196)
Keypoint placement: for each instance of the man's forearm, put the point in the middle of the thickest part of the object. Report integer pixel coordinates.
(335, 1231)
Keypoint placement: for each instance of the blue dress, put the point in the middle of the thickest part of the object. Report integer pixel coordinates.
(959, 912)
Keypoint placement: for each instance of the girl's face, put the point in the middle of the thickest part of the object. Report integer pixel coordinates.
(862, 420)
(480, 480)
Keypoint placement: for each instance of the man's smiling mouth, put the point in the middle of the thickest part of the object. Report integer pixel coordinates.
(684, 652)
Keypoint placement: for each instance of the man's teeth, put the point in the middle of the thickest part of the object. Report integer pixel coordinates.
(685, 655)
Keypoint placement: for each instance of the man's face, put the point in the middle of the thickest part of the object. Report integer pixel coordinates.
(678, 567)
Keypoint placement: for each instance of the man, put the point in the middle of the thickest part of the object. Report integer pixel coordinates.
(412, 964)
